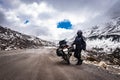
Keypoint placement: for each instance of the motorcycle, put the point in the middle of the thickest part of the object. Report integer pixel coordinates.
(64, 51)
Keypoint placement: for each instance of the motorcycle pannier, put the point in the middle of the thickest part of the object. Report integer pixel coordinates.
(59, 52)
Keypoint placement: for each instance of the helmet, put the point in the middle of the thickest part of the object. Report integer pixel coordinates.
(79, 33)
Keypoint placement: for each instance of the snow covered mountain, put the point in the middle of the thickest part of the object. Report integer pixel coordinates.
(106, 36)
(103, 42)
(109, 30)
(10, 39)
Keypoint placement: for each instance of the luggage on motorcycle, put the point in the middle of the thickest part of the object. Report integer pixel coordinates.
(62, 42)
(59, 52)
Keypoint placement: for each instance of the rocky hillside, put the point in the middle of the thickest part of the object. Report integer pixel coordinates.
(10, 39)
(103, 42)
(108, 30)
(106, 36)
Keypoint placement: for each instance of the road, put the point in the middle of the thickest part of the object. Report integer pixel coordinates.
(43, 64)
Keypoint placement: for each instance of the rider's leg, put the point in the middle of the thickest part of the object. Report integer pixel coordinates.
(79, 57)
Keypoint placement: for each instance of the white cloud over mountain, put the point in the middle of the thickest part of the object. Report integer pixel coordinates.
(43, 16)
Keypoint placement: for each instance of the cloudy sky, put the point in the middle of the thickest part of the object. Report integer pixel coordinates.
(41, 17)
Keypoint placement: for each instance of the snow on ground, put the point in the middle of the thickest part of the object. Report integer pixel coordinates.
(106, 44)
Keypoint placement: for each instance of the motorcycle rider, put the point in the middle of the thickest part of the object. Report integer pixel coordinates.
(80, 45)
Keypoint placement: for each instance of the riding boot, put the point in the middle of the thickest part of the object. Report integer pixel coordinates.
(79, 62)
(68, 62)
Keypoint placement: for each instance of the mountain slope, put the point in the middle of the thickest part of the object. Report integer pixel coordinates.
(103, 42)
(10, 39)
(109, 30)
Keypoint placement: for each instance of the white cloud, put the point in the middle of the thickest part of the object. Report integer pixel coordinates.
(43, 19)
(36, 24)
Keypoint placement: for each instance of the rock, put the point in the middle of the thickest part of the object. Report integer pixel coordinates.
(102, 64)
(91, 58)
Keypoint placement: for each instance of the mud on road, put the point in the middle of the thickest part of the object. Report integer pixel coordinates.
(43, 64)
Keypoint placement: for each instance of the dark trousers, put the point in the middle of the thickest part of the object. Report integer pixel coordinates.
(77, 54)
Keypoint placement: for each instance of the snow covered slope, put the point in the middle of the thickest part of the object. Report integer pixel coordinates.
(10, 39)
(103, 42)
(106, 36)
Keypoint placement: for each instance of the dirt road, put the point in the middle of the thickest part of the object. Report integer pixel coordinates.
(43, 64)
